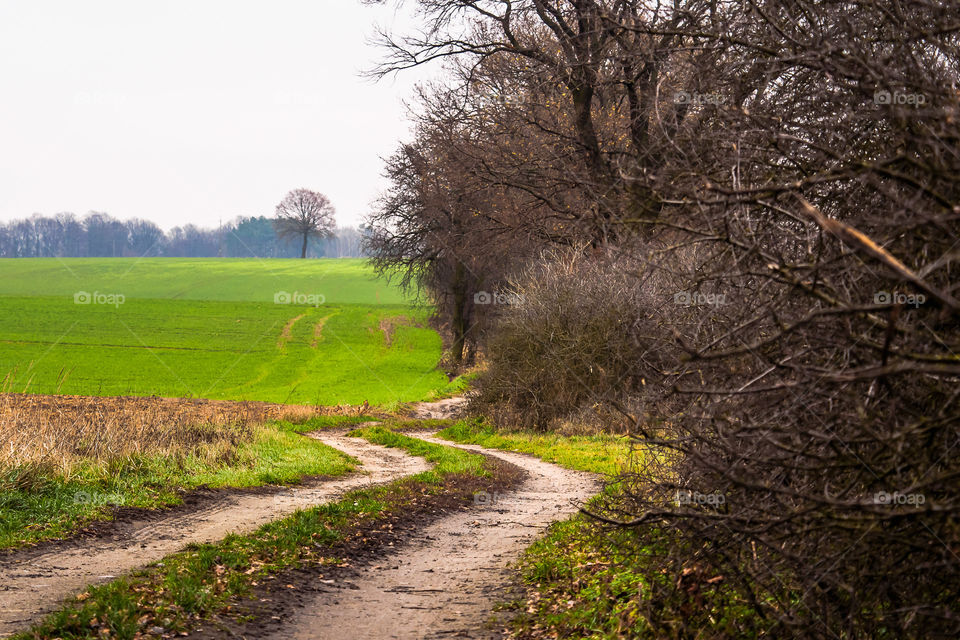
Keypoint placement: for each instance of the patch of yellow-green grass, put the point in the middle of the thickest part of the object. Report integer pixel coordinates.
(587, 580)
(278, 454)
(455, 387)
(600, 453)
(580, 585)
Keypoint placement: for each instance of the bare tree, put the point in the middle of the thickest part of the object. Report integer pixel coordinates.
(787, 169)
(304, 214)
(427, 232)
(145, 237)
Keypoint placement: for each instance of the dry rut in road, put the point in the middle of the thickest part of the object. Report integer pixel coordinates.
(444, 582)
(439, 409)
(32, 585)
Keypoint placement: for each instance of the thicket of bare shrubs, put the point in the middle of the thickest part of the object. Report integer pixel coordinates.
(790, 170)
(574, 337)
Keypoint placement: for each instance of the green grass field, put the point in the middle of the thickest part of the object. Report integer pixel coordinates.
(294, 331)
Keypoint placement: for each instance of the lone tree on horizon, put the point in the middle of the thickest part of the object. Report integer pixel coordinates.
(304, 214)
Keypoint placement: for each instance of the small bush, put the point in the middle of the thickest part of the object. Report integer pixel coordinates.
(568, 343)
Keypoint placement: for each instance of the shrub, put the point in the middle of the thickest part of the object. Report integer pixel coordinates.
(568, 341)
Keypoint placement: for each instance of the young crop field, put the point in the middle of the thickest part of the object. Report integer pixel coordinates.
(289, 331)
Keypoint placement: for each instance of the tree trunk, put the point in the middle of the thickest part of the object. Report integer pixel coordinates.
(459, 323)
(303, 251)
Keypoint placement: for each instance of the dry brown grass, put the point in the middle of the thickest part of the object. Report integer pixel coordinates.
(42, 434)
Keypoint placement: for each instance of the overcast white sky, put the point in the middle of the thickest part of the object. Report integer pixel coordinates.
(192, 111)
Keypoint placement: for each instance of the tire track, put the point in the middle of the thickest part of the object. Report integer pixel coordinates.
(446, 580)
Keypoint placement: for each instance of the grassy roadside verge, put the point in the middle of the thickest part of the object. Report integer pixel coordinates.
(218, 584)
(455, 387)
(581, 580)
(54, 504)
(597, 453)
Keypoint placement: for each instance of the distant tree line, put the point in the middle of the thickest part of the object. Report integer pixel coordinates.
(101, 235)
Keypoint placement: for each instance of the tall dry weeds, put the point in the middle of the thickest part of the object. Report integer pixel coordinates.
(55, 435)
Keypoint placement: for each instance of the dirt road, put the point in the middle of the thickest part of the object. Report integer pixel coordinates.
(33, 584)
(442, 582)
(445, 581)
